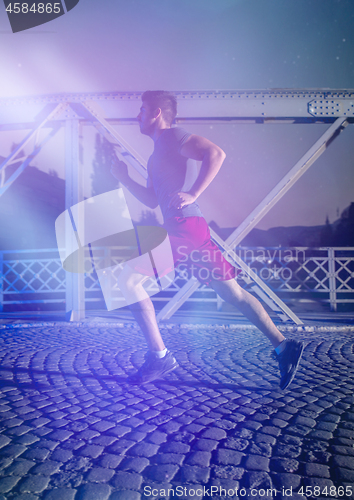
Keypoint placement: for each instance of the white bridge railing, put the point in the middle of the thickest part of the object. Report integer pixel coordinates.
(308, 274)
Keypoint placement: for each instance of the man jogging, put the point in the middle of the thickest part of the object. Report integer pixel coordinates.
(171, 185)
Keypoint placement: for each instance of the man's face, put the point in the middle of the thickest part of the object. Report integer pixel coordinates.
(146, 119)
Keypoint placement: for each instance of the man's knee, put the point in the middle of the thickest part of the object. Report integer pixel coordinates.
(128, 280)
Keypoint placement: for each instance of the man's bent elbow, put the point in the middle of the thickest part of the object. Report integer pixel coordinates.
(152, 203)
(222, 154)
(219, 154)
(150, 198)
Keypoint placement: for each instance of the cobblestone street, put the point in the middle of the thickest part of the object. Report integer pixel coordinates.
(73, 428)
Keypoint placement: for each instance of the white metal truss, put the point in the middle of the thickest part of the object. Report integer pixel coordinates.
(292, 102)
(252, 220)
(335, 107)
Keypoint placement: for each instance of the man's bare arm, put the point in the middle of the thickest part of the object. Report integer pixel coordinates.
(144, 194)
(200, 149)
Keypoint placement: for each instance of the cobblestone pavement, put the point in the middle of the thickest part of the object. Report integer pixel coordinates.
(73, 428)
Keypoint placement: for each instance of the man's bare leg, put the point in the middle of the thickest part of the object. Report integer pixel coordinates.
(130, 283)
(231, 292)
(288, 351)
(159, 361)
(144, 314)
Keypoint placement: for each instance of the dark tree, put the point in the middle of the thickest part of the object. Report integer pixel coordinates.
(326, 236)
(102, 179)
(344, 232)
(148, 218)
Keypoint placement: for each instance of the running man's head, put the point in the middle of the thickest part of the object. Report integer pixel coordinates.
(159, 108)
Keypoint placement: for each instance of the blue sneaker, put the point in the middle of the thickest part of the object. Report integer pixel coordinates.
(153, 368)
(288, 361)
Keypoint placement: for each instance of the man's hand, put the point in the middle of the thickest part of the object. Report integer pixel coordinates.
(120, 171)
(144, 194)
(180, 200)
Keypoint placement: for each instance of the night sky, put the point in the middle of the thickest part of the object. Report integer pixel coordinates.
(205, 44)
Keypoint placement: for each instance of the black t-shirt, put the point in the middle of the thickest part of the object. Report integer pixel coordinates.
(170, 172)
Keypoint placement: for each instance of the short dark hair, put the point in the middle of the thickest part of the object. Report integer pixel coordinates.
(163, 100)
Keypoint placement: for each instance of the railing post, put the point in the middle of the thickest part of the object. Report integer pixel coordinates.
(75, 282)
(1, 281)
(108, 278)
(219, 302)
(332, 279)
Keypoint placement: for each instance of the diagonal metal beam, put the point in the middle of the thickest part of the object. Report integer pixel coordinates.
(287, 182)
(37, 148)
(123, 149)
(258, 287)
(252, 220)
